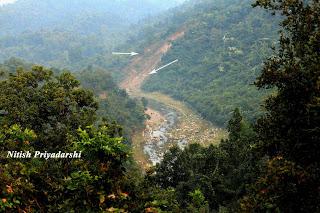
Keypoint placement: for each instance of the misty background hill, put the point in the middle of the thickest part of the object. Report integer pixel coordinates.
(67, 33)
(78, 15)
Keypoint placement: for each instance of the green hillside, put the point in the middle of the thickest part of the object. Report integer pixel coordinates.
(115, 105)
(220, 56)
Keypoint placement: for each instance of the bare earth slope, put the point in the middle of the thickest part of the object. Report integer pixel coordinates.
(176, 124)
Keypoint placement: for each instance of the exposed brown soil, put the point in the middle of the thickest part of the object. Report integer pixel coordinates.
(139, 69)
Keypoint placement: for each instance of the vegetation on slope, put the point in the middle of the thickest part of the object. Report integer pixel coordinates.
(220, 55)
(115, 104)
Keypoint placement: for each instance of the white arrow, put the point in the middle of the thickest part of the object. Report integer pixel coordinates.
(119, 53)
(164, 66)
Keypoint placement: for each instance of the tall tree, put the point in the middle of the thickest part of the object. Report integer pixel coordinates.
(291, 126)
(289, 133)
(50, 105)
(43, 112)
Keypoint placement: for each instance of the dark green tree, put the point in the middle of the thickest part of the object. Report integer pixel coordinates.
(50, 105)
(289, 133)
(43, 112)
(291, 125)
(234, 125)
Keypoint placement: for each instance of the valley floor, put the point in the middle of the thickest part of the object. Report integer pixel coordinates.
(171, 121)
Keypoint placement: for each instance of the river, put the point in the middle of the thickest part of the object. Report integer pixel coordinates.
(172, 122)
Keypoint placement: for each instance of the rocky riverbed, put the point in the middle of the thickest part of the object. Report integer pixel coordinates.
(159, 138)
(172, 126)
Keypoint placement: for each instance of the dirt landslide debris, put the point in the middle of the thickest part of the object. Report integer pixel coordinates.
(173, 124)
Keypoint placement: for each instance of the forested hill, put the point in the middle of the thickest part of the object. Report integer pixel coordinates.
(220, 55)
(35, 15)
(70, 33)
(115, 106)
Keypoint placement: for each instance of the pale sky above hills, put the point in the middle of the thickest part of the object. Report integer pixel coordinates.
(3, 2)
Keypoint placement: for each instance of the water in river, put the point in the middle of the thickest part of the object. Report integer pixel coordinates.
(158, 139)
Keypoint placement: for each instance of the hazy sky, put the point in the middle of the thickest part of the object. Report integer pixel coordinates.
(3, 2)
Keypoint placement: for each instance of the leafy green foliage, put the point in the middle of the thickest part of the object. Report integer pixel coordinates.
(281, 189)
(94, 181)
(86, 184)
(50, 105)
(16, 188)
(100, 142)
(291, 126)
(198, 202)
(52, 113)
